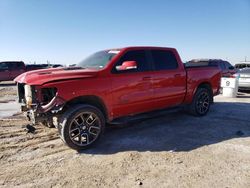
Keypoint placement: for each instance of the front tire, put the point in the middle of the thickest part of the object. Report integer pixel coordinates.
(201, 102)
(81, 126)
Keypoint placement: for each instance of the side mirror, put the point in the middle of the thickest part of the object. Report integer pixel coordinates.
(231, 68)
(127, 65)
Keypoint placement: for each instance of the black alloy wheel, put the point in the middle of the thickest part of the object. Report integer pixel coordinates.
(201, 102)
(81, 126)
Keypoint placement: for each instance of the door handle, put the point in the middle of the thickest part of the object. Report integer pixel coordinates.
(177, 75)
(146, 78)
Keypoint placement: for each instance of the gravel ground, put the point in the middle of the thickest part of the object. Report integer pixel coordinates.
(174, 150)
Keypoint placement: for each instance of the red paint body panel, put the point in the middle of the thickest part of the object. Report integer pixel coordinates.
(40, 77)
(131, 93)
(128, 93)
(196, 76)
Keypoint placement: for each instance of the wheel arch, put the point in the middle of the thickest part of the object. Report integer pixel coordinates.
(90, 100)
(207, 86)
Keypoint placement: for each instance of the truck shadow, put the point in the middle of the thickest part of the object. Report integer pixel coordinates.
(178, 131)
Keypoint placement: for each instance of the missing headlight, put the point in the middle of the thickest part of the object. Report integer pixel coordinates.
(20, 92)
(48, 94)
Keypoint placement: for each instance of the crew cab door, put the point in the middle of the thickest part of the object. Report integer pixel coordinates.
(169, 78)
(4, 72)
(132, 88)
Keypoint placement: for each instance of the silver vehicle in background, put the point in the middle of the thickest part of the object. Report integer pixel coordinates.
(244, 78)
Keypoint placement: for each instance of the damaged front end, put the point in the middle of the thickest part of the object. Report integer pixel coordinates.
(41, 105)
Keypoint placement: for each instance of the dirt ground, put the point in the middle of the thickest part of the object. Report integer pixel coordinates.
(174, 150)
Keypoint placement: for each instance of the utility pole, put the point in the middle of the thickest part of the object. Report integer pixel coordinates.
(48, 63)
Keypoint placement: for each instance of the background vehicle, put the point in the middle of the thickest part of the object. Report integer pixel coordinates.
(242, 65)
(114, 86)
(30, 67)
(11, 69)
(244, 78)
(226, 68)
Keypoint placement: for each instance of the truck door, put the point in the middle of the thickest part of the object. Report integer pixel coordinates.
(16, 68)
(169, 79)
(131, 89)
(4, 72)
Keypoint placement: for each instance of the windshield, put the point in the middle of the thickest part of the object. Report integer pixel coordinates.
(98, 60)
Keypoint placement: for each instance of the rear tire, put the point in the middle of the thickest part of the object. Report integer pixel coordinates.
(201, 102)
(81, 126)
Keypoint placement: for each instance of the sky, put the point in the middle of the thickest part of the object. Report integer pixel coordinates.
(66, 32)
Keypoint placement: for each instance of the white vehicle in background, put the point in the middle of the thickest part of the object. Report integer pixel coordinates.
(244, 78)
(240, 66)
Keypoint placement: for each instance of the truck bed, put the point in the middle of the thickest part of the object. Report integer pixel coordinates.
(202, 74)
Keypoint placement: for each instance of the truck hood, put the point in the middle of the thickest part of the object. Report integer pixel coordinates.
(40, 77)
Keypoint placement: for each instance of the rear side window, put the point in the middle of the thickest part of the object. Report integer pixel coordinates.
(227, 65)
(219, 64)
(222, 65)
(164, 60)
(137, 55)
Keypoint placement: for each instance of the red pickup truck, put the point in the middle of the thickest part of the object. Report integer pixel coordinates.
(112, 85)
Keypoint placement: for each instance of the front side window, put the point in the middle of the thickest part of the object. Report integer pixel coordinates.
(164, 60)
(136, 55)
(98, 60)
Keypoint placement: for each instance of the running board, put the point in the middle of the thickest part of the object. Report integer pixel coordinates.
(144, 116)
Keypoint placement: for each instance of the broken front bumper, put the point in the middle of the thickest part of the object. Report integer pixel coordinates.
(37, 113)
